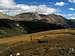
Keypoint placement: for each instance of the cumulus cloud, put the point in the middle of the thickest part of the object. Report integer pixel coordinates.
(7, 3)
(60, 3)
(71, 16)
(71, 9)
(40, 9)
(72, 1)
(10, 7)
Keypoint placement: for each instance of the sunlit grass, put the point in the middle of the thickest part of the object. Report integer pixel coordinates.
(54, 41)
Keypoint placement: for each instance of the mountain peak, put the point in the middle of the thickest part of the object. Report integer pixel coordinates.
(51, 18)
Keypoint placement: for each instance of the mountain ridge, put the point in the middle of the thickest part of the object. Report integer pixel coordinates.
(30, 23)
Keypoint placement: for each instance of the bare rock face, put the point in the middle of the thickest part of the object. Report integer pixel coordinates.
(32, 22)
(52, 18)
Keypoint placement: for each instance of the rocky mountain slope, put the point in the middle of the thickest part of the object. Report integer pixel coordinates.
(31, 22)
(52, 18)
(12, 27)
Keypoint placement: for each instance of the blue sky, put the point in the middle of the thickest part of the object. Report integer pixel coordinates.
(65, 8)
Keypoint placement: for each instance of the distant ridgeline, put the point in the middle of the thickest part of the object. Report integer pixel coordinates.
(30, 23)
(71, 23)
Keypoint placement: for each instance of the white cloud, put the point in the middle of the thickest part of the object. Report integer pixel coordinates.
(22, 6)
(10, 7)
(7, 3)
(41, 9)
(71, 16)
(71, 9)
(60, 3)
(72, 1)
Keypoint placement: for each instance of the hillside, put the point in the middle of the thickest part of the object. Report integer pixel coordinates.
(11, 27)
(52, 18)
(5, 16)
(54, 43)
(71, 23)
(30, 23)
(40, 22)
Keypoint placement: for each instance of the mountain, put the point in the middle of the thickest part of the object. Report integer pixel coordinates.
(71, 23)
(51, 18)
(37, 26)
(10, 28)
(34, 22)
(5, 16)
(31, 23)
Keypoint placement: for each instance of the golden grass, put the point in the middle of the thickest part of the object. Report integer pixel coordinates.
(39, 35)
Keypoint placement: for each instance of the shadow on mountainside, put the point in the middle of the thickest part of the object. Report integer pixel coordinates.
(37, 26)
(10, 27)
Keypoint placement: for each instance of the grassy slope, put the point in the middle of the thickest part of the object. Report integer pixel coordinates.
(55, 42)
(39, 35)
(8, 32)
